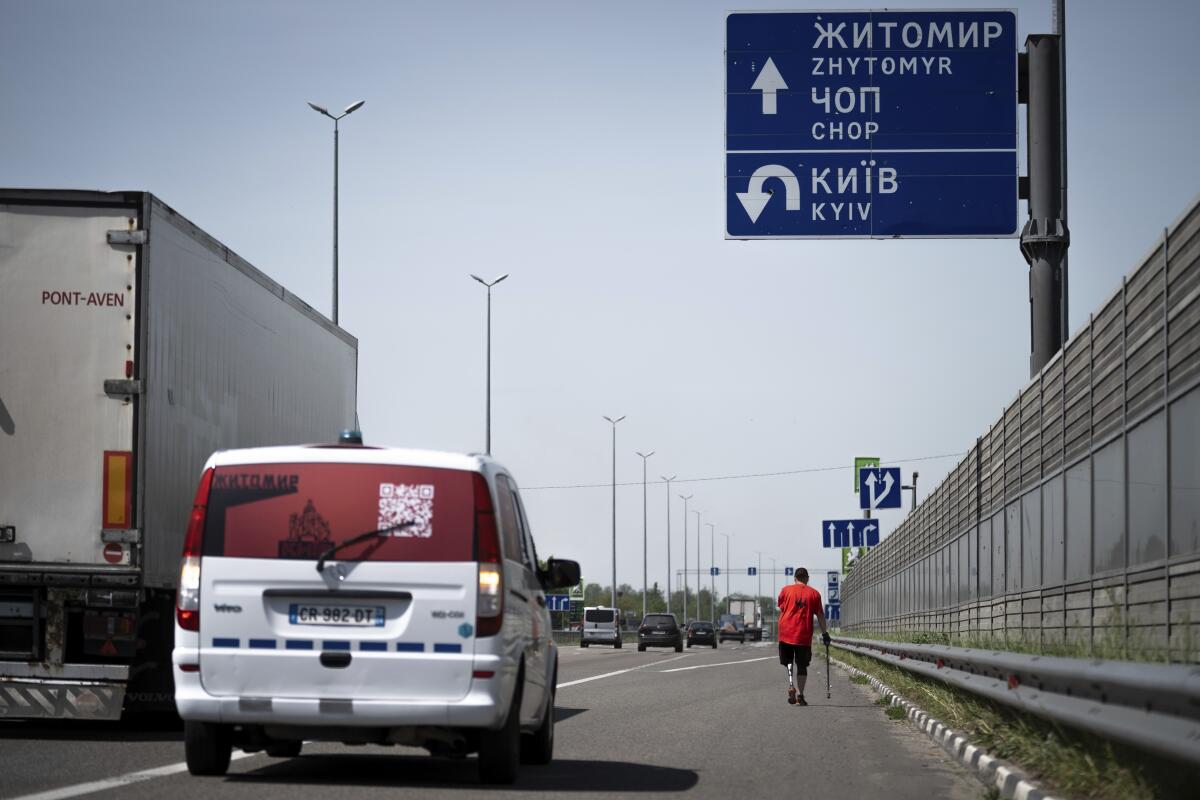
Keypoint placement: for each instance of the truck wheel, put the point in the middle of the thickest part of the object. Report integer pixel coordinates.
(207, 747)
(500, 751)
(284, 749)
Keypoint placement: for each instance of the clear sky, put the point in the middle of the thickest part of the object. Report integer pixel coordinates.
(578, 146)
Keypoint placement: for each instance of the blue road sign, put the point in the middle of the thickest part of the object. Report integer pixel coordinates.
(558, 602)
(849, 533)
(788, 570)
(752, 571)
(714, 571)
(871, 124)
(833, 611)
(878, 487)
(833, 578)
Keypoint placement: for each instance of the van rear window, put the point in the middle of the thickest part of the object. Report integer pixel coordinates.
(598, 615)
(298, 511)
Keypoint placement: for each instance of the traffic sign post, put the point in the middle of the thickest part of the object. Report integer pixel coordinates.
(840, 533)
(752, 571)
(879, 487)
(871, 124)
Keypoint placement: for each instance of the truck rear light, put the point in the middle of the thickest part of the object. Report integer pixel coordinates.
(99, 625)
(189, 667)
(187, 605)
(489, 602)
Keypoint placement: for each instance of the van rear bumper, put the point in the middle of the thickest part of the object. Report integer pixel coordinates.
(484, 706)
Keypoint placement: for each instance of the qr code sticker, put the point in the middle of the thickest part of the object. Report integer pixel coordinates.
(403, 502)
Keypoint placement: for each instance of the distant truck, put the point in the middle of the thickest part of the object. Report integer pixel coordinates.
(132, 345)
(751, 616)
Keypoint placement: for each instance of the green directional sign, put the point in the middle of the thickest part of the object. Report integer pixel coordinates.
(859, 463)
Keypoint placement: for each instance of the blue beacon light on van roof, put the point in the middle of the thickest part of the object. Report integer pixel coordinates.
(350, 436)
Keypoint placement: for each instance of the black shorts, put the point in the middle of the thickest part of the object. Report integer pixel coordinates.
(801, 654)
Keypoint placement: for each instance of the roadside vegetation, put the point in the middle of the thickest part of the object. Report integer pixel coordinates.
(1068, 763)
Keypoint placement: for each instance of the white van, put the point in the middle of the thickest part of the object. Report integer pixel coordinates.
(364, 595)
(602, 625)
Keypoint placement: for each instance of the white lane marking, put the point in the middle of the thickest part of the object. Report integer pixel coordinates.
(620, 672)
(721, 664)
(121, 780)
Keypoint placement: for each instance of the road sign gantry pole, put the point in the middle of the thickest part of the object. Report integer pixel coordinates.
(1045, 237)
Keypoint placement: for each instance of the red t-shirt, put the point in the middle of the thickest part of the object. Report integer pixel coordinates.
(797, 604)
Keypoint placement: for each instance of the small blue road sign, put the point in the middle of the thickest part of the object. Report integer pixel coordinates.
(878, 487)
(714, 571)
(871, 124)
(752, 571)
(558, 602)
(849, 533)
(788, 570)
(833, 611)
(833, 578)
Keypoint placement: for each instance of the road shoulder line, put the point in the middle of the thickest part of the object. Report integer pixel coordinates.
(991, 771)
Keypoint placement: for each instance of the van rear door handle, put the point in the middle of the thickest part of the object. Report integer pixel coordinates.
(335, 660)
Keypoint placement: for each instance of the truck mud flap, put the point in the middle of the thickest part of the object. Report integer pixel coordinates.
(61, 700)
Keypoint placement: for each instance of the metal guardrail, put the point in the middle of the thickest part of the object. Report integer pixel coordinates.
(1155, 707)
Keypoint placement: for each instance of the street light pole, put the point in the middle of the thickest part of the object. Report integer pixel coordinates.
(774, 597)
(758, 594)
(712, 562)
(727, 536)
(668, 480)
(488, 428)
(614, 422)
(350, 109)
(685, 498)
(645, 534)
(699, 574)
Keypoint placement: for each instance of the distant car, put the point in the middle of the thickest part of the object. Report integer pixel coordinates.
(364, 595)
(660, 630)
(601, 625)
(701, 632)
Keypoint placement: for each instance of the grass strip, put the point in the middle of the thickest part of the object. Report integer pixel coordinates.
(1069, 763)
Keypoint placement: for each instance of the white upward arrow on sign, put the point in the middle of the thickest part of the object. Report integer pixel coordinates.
(768, 82)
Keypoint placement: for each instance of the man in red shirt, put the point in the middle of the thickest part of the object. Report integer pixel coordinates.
(797, 605)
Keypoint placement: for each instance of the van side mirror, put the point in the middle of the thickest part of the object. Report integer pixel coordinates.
(560, 574)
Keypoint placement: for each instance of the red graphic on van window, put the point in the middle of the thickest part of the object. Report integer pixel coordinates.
(308, 535)
(401, 502)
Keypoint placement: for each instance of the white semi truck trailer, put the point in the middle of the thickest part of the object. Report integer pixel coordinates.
(132, 345)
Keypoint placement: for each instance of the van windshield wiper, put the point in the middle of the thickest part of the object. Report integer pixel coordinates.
(362, 537)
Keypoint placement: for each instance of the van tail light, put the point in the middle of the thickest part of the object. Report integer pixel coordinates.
(489, 602)
(187, 604)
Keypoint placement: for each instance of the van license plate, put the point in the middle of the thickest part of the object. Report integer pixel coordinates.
(323, 614)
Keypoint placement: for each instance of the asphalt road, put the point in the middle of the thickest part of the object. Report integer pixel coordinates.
(709, 723)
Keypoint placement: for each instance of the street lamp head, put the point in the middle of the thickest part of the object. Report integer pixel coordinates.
(320, 110)
(614, 421)
(497, 280)
(350, 109)
(644, 455)
(481, 280)
(667, 478)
